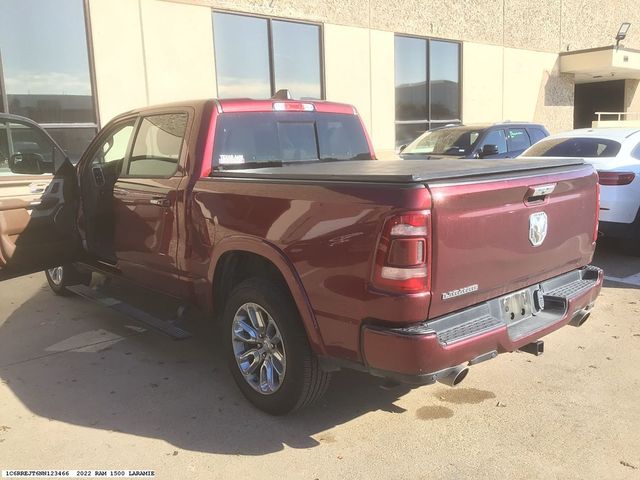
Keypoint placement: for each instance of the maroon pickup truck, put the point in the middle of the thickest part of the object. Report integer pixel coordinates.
(274, 217)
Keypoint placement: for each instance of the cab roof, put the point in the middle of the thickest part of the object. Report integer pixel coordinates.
(252, 105)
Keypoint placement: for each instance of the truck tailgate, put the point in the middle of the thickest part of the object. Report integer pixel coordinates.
(481, 229)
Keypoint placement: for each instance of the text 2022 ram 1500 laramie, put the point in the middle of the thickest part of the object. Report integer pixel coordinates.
(274, 217)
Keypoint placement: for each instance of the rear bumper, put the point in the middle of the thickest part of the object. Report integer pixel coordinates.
(422, 353)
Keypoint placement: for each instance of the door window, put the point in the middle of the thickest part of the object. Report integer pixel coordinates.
(536, 135)
(20, 139)
(497, 138)
(114, 147)
(518, 139)
(157, 147)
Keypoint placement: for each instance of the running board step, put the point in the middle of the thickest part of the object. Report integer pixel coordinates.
(165, 326)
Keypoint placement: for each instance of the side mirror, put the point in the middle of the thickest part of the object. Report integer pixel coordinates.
(29, 163)
(402, 147)
(488, 150)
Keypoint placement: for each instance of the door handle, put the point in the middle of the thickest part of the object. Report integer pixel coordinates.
(44, 204)
(160, 201)
(539, 193)
(37, 187)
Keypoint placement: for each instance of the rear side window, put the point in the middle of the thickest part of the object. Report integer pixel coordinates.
(157, 146)
(574, 147)
(274, 138)
(635, 153)
(518, 139)
(536, 135)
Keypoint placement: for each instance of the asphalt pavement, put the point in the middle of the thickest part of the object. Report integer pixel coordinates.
(82, 386)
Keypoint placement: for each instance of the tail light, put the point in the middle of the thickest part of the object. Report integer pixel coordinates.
(404, 253)
(293, 107)
(615, 178)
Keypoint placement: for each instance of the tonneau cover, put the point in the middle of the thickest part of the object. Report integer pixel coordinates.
(399, 171)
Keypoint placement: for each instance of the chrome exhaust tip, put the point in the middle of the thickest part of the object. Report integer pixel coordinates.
(454, 376)
(580, 318)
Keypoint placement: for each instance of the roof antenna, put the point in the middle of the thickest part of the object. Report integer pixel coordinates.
(282, 94)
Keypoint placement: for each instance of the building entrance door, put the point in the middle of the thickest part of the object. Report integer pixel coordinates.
(596, 97)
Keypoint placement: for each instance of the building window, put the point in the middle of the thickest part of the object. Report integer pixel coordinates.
(44, 67)
(256, 57)
(427, 77)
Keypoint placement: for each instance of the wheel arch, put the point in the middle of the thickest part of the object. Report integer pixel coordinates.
(237, 258)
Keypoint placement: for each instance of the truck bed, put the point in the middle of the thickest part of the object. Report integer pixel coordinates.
(399, 171)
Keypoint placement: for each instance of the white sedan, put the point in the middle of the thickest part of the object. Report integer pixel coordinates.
(615, 154)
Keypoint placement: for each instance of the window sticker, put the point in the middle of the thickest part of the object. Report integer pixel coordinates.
(227, 159)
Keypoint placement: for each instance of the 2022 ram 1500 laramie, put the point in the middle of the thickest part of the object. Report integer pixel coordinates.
(274, 217)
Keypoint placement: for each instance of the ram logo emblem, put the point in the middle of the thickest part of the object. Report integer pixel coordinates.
(537, 228)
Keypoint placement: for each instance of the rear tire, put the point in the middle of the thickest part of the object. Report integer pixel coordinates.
(61, 277)
(267, 348)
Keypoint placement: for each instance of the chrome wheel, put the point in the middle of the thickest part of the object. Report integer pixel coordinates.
(258, 348)
(55, 274)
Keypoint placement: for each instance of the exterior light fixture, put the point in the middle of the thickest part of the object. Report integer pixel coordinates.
(622, 32)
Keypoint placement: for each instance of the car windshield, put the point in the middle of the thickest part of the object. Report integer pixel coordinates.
(262, 139)
(446, 141)
(574, 147)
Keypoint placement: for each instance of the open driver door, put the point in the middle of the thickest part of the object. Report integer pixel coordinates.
(38, 200)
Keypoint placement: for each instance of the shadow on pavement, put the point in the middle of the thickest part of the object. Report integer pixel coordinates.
(622, 270)
(86, 366)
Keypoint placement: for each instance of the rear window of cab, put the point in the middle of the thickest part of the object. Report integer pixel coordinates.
(574, 147)
(275, 138)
